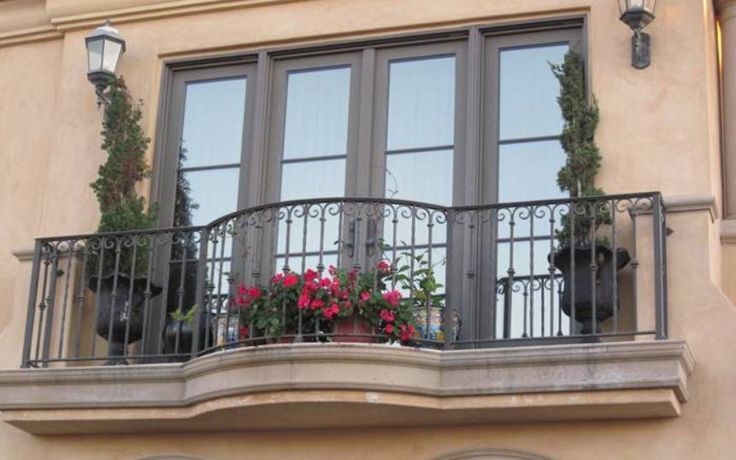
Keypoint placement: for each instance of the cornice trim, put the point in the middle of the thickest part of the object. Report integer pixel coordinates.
(33, 34)
(692, 203)
(58, 25)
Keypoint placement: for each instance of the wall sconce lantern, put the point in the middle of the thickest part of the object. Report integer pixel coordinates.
(104, 48)
(637, 14)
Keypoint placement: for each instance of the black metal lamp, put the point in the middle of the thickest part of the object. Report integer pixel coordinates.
(104, 48)
(637, 14)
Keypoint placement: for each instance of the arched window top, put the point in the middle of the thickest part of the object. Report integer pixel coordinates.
(492, 454)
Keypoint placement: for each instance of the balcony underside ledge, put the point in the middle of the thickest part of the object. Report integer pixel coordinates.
(347, 385)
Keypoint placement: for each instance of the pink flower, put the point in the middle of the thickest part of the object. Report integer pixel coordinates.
(383, 266)
(392, 297)
(310, 275)
(387, 316)
(290, 280)
(254, 293)
(365, 296)
(325, 283)
(331, 311)
(407, 331)
(304, 299)
(389, 328)
(277, 278)
(332, 270)
(316, 304)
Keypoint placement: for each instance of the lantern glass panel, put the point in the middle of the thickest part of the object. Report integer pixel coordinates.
(636, 5)
(111, 55)
(94, 54)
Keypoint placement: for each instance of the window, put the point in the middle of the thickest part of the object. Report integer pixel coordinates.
(461, 118)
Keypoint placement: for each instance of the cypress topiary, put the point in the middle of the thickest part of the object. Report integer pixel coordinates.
(577, 177)
(121, 208)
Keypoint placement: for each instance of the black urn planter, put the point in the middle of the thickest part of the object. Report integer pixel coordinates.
(185, 331)
(116, 304)
(606, 268)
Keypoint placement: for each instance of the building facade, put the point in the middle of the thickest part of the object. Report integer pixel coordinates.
(307, 133)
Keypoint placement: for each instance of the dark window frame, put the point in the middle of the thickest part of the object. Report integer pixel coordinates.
(475, 175)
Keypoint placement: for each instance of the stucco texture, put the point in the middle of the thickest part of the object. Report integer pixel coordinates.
(659, 130)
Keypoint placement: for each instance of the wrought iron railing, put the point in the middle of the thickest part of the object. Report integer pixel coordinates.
(585, 269)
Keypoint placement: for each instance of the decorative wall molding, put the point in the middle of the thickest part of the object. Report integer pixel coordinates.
(728, 231)
(23, 255)
(57, 22)
(692, 203)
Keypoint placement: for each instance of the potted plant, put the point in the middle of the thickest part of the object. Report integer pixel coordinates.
(426, 302)
(178, 333)
(353, 306)
(182, 285)
(120, 298)
(269, 313)
(580, 244)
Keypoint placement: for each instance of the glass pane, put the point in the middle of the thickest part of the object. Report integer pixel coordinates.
(112, 53)
(313, 179)
(519, 181)
(94, 54)
(213, 122)
(211, 194)
(534, 301)
(421, 105)
(317, 107)
(401, 223)
(528, 92)
(299, 264)
(309, 235)
(422, 176)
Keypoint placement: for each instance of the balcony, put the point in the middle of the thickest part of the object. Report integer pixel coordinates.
(516, 328)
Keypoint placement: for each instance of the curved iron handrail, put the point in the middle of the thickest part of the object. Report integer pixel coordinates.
(367, 200)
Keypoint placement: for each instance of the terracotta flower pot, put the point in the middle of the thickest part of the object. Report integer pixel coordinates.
(352, 330)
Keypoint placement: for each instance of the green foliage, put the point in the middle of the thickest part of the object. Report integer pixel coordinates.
(187, 317)
(577, 177)
(121, 208)
(422, 286)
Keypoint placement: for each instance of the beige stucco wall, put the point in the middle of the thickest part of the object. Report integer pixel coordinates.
(659, 131)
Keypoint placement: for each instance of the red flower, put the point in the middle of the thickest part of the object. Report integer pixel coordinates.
(389, 328)
(392, 297)
(387, 316)
(304, 299)
(277, 278)
(316, 304)
(383, 266)
(310, 275)
(325, 283)
(244, 332)
(290, 280)
(331, 311)
(254, 292)
(407, 332)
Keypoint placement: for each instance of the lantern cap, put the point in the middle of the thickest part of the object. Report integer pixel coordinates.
(106, 31)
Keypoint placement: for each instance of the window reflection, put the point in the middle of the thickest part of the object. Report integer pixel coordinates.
(317, 113)
(214, 112)
(528, 92)
(421, 103)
